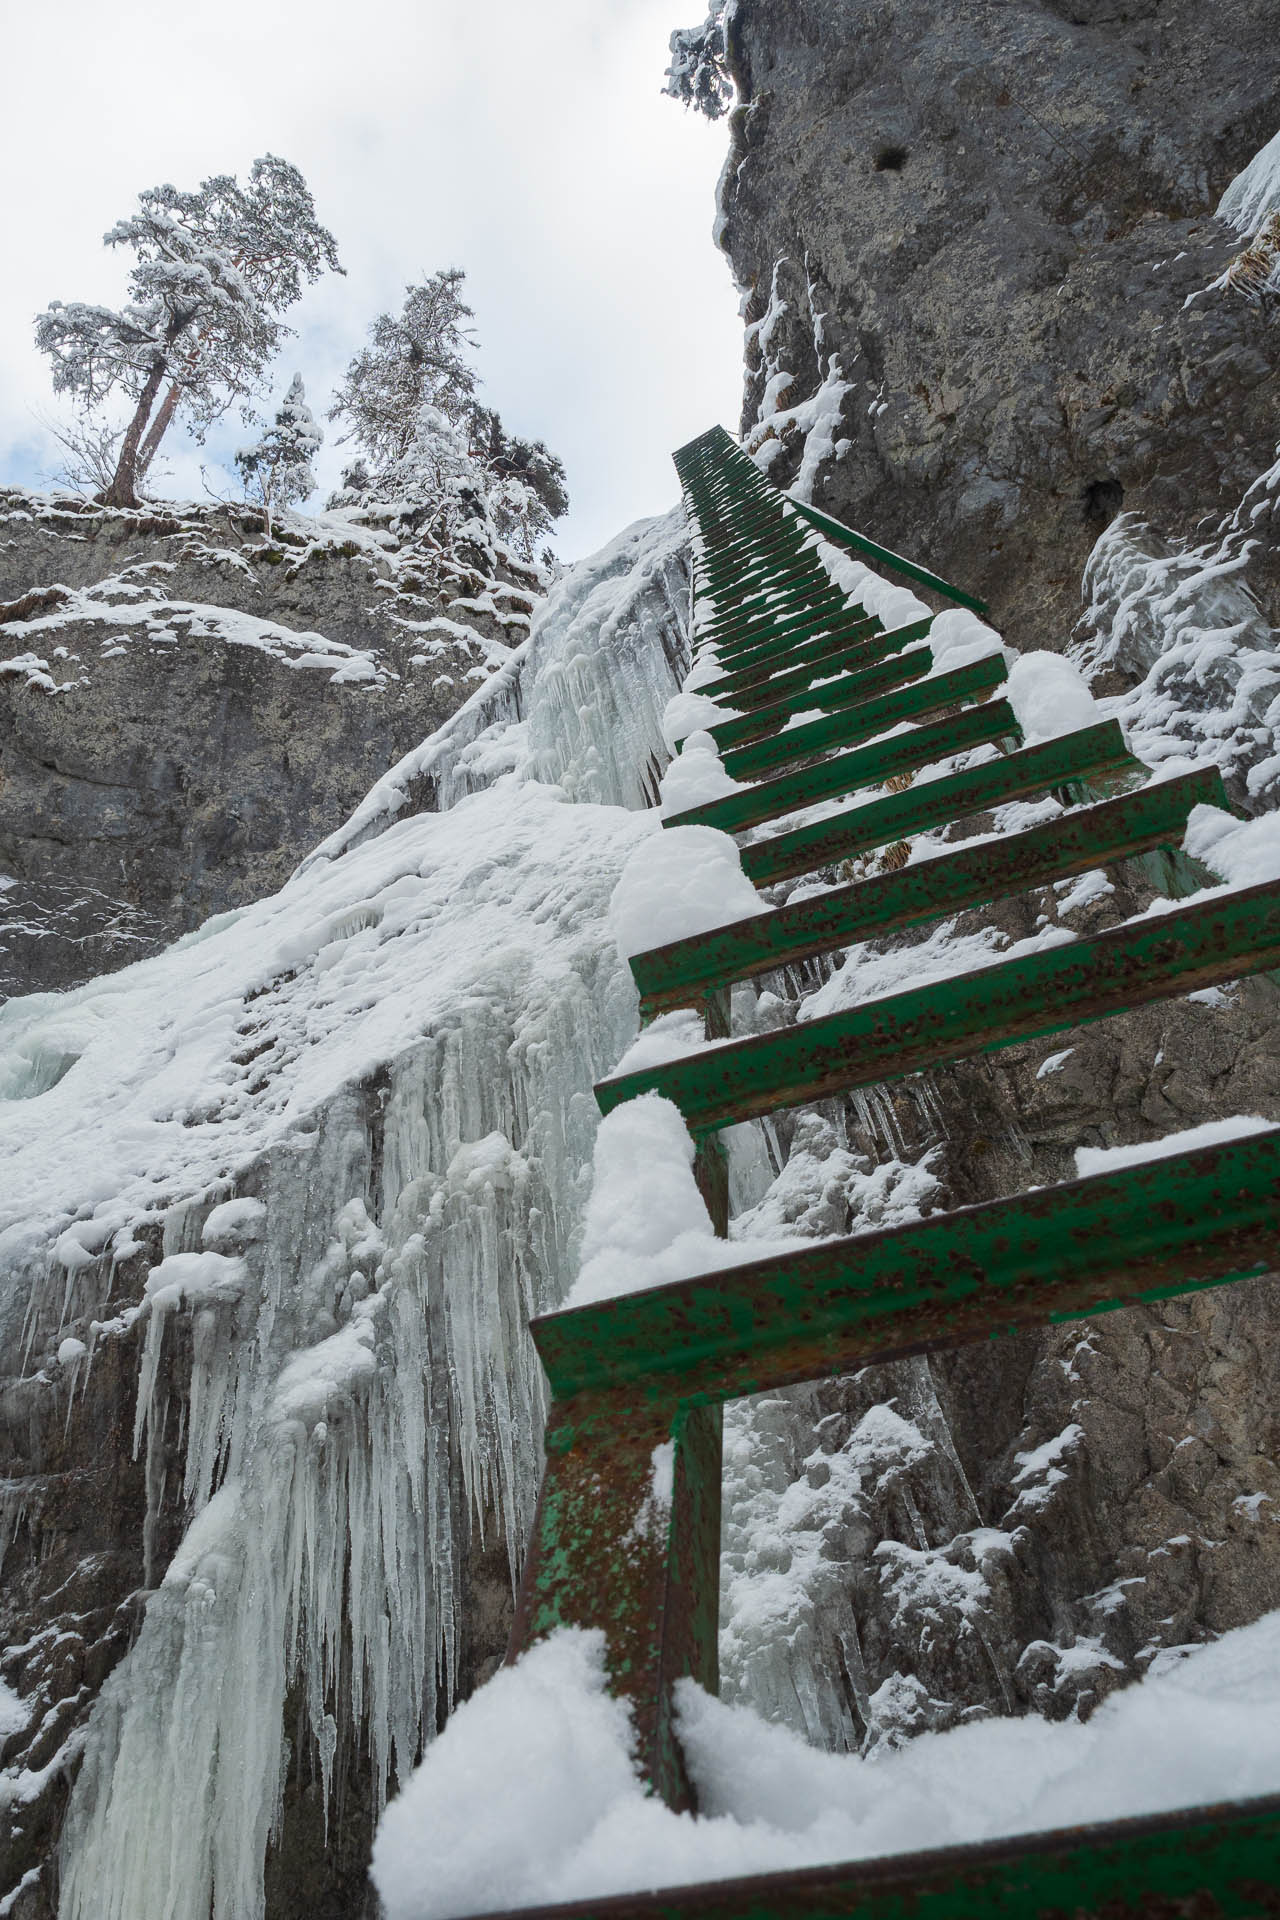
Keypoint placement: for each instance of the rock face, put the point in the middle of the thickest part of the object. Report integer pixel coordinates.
(186, 710)
(980, 231)
(974, 242)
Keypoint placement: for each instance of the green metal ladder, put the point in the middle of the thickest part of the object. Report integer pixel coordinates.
(645, 1369)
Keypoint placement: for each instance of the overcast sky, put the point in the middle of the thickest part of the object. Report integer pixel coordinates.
(526, 141)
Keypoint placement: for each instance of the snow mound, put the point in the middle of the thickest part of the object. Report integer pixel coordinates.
(691, 712)
(681, 882)
(1245, 853)
(1211, 1134)
(957, 638)
(696, 777)
(530, 1795)
(535, 1758)
(1049, 697)
(705, 669)
(646, 1222)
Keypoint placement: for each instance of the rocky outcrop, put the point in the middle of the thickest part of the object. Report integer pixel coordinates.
(975, 243)
(186, 709)
(981, 235)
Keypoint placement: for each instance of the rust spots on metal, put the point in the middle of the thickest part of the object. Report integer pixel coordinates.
(1092, 753)
(680, 973)
(1021, 999)
(1150, 1231)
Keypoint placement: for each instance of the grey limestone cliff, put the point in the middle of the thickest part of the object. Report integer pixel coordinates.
(997, 222)
(976, 246)
(186, 709)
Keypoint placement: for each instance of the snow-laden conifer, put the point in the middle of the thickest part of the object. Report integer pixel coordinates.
(213, 273)
(699, 71)
(276, 470)
(525, 482)
(416, 360)
(428, 449)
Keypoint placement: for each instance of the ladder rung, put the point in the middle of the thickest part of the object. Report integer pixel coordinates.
(1220, 1862)
(1148, 1231)
(827, 632)
(731, 568)
(847, 688)
(859, 643)
(1090, 753)
(862, 767)
(1149, 959)
(745, 583)
(682, 972)
(738, 524)
(768, 551)
(741, 633)
(867, 718)
(777, 648)
(777, 529)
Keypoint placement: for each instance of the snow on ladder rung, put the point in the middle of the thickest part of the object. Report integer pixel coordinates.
(685, 971)
(838, 687)
(864, 719)
(843, 644)
(844, 773)
(1087, 754)
(1164, 1226)
(781, 640)
(1151, 958)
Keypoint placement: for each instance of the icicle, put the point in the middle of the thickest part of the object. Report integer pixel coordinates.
(378, 1347)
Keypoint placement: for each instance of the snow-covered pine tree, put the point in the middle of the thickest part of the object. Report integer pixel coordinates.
(276, 470)
(445, 464)
(525, 482)
(214, 271)
(699, 71)
(415, 360)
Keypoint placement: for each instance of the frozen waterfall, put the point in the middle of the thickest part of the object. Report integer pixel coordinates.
(389, 1066)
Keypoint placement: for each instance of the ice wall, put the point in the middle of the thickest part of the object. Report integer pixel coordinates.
(392, 1058)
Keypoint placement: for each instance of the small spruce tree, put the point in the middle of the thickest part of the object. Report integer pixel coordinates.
(699, 71)
(525, 482)
(277, 470)
(446, 463)
(415, 359)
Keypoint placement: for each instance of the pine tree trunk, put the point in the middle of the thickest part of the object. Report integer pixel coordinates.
(124, 482)
(156, 432)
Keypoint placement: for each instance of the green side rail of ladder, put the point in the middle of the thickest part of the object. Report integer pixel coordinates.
(635, 1373)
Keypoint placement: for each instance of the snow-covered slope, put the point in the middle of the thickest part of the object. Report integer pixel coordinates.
(307, 1174)
(530, 1796)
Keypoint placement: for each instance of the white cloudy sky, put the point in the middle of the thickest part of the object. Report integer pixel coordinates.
(526, 141)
